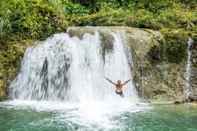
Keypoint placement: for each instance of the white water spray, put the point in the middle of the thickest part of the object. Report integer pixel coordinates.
(69, 69)
(188, 88)
(66, 72)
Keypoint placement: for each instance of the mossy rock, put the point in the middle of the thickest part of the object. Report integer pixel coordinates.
(79, 32)
(11, 55)
(2, 89)
(175, 45)
(107, 41)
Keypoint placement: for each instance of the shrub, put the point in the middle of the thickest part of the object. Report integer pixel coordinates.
(36, 18)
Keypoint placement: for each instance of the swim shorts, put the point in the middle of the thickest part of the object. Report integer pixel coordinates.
(120, 93)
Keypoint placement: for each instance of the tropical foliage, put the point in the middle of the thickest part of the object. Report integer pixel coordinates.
(41, 18)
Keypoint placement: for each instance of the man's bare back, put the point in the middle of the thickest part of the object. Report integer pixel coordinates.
(119, 86)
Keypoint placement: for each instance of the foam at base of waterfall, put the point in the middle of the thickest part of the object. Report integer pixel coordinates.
(87, 113)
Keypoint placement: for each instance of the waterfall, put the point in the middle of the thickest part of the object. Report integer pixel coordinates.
(65, 68)
(188, 88)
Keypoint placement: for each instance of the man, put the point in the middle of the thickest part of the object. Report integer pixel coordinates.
(119, 86)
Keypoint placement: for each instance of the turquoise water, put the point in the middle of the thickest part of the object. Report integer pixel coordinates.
(158, 118)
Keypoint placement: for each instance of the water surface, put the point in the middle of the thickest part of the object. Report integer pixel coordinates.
(156, 118)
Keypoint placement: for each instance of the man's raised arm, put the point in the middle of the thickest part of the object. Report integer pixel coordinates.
(126, 82)
(110, 81)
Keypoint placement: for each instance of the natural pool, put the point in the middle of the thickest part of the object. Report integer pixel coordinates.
(156, 118)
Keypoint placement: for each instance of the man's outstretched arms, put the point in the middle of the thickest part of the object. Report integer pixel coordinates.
(110, 81)
(126, 82)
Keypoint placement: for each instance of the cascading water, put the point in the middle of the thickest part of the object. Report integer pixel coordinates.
(69, 73)
(67, 68)
(188, 88)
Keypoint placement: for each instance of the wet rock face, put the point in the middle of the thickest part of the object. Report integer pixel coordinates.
(193, 77)
(2, 88)
(155, 77)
